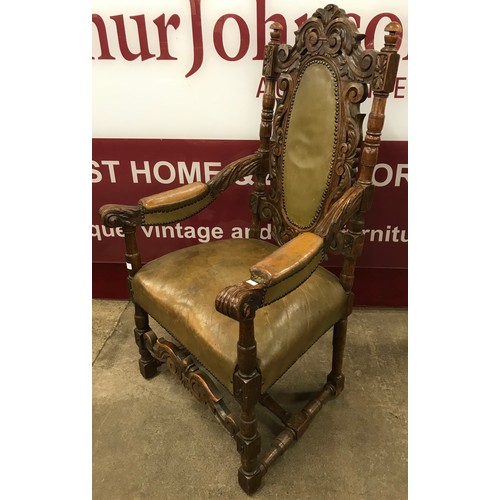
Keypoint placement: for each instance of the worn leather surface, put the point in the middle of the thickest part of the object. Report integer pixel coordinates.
(175, 205)
(179, 291)
(295, 254)
(174, 198)
(288, 266)
(309, 144)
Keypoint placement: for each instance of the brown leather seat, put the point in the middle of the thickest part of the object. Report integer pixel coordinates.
(178, 291)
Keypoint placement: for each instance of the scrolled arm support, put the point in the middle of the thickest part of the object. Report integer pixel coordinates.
(273, 277)
(342, 210)
(234, 171)
(120, 215)
(241, 301)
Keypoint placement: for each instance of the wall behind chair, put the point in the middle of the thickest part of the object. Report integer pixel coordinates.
(177, 94)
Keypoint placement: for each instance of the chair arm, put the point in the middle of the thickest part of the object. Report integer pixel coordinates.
(273, 277)
(169, 206)
(176, 204)
(179, 203)
(342, 210)
(288, 266)
(233, 171)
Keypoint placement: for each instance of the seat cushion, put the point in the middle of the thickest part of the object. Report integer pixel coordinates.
(179, 289)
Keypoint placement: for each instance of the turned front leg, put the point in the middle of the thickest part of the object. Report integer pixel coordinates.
(246, 386)
(240, 302)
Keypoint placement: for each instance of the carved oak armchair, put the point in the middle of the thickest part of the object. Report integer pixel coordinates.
(244, 310)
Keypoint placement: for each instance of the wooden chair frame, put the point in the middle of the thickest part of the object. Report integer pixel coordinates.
(340, 225)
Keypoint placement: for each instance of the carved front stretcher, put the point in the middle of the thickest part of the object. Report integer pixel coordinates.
(243, 311)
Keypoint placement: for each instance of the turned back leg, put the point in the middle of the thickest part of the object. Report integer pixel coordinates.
(336, 376)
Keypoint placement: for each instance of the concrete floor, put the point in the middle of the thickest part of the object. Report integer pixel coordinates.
(153, 440)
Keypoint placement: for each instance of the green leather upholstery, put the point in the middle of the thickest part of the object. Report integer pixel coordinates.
(310, 144)
(178, 290)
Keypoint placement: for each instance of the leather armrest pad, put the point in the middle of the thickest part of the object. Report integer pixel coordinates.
(289, 259)
(174, 198)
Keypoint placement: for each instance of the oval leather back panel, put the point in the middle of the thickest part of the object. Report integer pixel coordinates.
(310, 144)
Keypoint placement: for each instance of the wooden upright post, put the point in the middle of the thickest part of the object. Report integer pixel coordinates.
(266, 126)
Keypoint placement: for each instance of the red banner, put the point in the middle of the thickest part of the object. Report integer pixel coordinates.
(125, 170)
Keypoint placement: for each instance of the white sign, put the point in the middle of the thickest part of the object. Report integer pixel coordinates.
(192, 68)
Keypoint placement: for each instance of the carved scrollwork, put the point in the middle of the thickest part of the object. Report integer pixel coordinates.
(328, 13)
(314, 40)
(181, 364)
(281, 232)
(355, 92)
(267, 211)
(285, 82)
(234, 171)
(339, 213)
(240, 301)
(329, 32)
(287, 59)
(347, 153)
(121, 215)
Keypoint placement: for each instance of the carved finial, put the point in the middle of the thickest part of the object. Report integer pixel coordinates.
(276, 31)
(394, 29)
